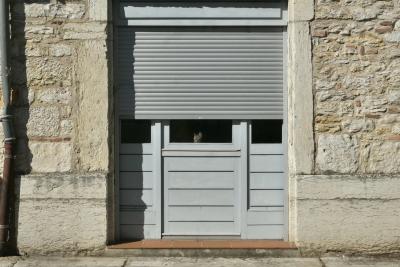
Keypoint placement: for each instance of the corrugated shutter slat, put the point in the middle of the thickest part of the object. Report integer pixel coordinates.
(201, 74)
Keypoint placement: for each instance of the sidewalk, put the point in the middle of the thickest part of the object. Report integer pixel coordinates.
(190, 262)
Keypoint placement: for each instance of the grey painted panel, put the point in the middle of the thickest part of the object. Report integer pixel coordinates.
(201, 214)
(190, 115)
(267, 163)
(201, 197)
(266, 198)
(201, 228)
(136, 180)
(200, 164)
(274, 180)
(265, 217)
(136, 149)
(265, 231)
(172, 152)
(211, 180)
(132, 232)
(136, 163)
(137, 217)
(271, 149)
(205, 22)
(139, 198)
(208, 9)
(190, 87)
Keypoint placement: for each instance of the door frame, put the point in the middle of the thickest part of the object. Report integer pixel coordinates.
(243, 148)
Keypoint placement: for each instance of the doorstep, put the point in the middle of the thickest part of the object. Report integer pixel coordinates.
(204, 248)
(205, 244)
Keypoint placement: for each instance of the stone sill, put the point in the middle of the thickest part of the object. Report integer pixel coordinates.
(205, 244)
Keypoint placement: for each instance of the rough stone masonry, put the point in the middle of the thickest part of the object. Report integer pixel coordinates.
(350, 202)
(62, 79)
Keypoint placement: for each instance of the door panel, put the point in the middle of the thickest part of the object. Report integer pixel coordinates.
(201, 180)
(201, 195)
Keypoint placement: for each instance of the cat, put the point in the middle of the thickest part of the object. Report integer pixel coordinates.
(197, 137)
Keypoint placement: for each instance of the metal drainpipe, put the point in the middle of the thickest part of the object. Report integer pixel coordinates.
(6, 119)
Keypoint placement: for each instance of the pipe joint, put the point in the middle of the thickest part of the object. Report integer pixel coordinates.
(5, 117)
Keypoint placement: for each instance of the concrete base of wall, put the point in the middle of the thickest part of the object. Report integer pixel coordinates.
(61, 214)
(67, 214)
(348, 213)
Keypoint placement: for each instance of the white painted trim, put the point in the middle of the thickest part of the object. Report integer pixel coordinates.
(244, 177)
(285, 136)
(156, 131)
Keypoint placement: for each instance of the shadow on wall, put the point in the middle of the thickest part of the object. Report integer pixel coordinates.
(135, 182)
(21, 102)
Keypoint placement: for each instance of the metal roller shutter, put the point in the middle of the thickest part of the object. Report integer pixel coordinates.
(201, 73)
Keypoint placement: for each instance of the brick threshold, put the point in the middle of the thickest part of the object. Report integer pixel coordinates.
(204, 244)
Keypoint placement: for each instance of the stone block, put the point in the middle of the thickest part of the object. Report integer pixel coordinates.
(359, 262)
(93, 132)
(337, 153)
(66, 127)
(348, 213)
(300, 99)
(63, 186)
(381, 157)
(351, 225)
(50, 156)
(335, 187)
(46, 71)
(393, 37)
(54, 96)
(63, 226)
(43, 121)
(98, 10)
(64, 213)
(301, 10)
(71, 261)
(222, 261)
(60, 50)
(50, 11)
(353, 125)
(85, 31)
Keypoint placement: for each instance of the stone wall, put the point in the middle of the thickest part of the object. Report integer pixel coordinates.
(348, 202)
(356, 58)
(61, 81)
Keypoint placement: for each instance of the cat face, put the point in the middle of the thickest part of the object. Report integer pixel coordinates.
(197, 137)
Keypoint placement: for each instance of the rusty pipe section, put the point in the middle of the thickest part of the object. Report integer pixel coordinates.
(6, 119)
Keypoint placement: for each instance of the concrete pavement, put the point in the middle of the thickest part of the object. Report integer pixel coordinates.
(191, 262)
